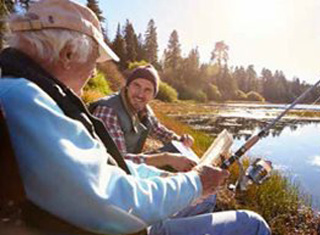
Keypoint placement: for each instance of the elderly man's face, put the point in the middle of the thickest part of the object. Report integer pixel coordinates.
(81, 72)
(140, 92)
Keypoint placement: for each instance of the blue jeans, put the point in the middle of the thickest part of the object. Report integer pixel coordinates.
(219, 223)
(205, 205)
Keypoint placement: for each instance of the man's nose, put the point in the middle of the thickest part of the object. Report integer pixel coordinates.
(141, 94)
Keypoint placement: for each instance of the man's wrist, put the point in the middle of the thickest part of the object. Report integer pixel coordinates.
(143, 159)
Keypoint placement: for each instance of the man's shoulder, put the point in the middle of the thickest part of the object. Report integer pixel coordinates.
(18, 86)
(7, 84)
(109, 101)
(20, 91)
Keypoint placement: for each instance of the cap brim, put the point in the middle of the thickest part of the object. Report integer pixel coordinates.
(106, 53)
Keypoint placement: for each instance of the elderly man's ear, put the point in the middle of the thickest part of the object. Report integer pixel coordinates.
(67, 55)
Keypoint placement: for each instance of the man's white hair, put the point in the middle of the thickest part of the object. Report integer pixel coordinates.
(48, 43)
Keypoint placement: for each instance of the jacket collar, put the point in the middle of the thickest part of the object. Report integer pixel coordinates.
(137, 118)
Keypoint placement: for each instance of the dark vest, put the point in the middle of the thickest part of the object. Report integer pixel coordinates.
(15, 64)
(135, 137)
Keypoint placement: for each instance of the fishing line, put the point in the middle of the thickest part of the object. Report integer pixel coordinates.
(296, 120)
(254, 139)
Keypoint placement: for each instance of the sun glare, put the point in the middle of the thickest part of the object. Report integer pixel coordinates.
(234, 19)
(315, 161)
(260, 18)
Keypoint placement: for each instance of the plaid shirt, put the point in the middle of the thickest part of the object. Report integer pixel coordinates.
(111, 121)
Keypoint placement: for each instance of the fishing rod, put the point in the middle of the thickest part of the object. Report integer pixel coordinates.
(254, 139)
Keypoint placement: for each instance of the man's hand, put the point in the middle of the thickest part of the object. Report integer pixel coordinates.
(187, 140)
(211, 178)
(175, 160)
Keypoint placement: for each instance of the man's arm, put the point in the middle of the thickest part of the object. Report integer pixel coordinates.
(111, 121)
(162, 133)
(64, 170)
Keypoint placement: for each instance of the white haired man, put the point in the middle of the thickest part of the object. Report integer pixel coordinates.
(63, 158)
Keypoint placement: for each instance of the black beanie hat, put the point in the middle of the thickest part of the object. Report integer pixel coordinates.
(146, 72)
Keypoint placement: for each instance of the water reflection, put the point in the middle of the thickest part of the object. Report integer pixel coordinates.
(240, 127)
(296, 153)
(293, 145)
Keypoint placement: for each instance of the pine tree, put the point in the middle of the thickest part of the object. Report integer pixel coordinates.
(227, 84)
(105, 31)
(220, 53)
(141, 52)
(191, 71)
(94, 6)
(252, 79)
(240, 76)
(151, 44)
(131, 40)
(267, 80)
(119, 47)
(173, 52)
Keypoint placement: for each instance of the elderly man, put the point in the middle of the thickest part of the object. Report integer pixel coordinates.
(61, 153)
(130, 120)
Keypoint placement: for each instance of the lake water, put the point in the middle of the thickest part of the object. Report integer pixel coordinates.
(293, 145)
(296, 153)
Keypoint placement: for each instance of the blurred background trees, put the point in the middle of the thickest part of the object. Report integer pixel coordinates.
(188, 76)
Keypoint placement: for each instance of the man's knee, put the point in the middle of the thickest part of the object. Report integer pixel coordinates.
(257, 221)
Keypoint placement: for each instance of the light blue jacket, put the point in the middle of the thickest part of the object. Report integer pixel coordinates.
(64, 169)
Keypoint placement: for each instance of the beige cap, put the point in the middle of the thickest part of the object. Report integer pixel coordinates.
(64, 14)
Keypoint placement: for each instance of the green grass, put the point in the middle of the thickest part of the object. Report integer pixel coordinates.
(202, 140)
(302, 113)
(96, 88)
(279, 200)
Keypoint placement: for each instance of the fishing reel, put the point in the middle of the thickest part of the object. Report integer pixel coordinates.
(258, 172)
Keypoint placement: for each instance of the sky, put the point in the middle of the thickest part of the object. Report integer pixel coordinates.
(275, 34)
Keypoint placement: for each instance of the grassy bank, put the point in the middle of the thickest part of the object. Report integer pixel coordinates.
(278, 200)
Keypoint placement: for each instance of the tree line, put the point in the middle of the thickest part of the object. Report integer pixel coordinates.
(215, 80)
(211, 81)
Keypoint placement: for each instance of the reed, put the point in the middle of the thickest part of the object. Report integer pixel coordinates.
(279, 200)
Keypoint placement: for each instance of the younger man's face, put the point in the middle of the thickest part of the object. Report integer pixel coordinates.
(140, 92)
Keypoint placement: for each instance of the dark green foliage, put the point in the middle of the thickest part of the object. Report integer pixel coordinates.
(190, 70)
(151, 43)
(227, 84)
(194, 80)
(5, 8)
(167, 93)
(113, 75)
(131, 40)
(240, 95)
(94, 6)
(136, 64)
(119, 47)
(173, 52)
(200, 96)
(141, 50)
(241, 77)
(105, 31)
(191, 93)
(255, 96)
(96, 88)
(98, 83)
(213, 93)
(220, 53)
